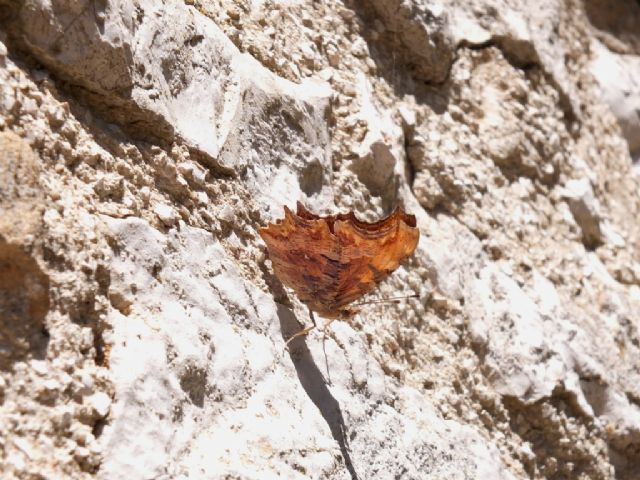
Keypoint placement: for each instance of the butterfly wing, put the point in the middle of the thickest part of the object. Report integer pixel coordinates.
(371, 252)
(305, 257)
(331, 261)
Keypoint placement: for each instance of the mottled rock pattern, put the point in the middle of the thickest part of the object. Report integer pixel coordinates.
(141, 328)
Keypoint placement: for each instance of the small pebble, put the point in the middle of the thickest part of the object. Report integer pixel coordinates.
(100, 403)
(166, 214)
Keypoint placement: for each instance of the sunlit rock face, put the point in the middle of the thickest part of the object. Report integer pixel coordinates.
(142, 329)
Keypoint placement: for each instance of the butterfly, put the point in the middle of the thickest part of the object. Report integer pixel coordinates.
(331, 261)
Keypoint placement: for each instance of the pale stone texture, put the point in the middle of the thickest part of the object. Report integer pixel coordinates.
(616, 63)
(142, 329)
(619, 79)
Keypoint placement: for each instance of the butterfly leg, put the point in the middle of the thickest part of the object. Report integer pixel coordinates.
(326, 326)
(298, 334)
(304, 331)
(326, 360)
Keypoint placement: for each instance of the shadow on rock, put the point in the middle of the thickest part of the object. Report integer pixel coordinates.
(315, 385)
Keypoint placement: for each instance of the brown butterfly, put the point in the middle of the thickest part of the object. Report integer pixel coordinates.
(331, 261)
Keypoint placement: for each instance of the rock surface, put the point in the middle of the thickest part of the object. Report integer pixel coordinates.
(142, 144)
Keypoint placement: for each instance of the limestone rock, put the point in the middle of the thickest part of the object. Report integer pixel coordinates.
(188, 83)
(618, 76)
(424, 32)
(142, 330)
(585, 209)
(24, 286)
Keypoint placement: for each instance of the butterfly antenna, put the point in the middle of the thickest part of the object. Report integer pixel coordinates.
(395, 300)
